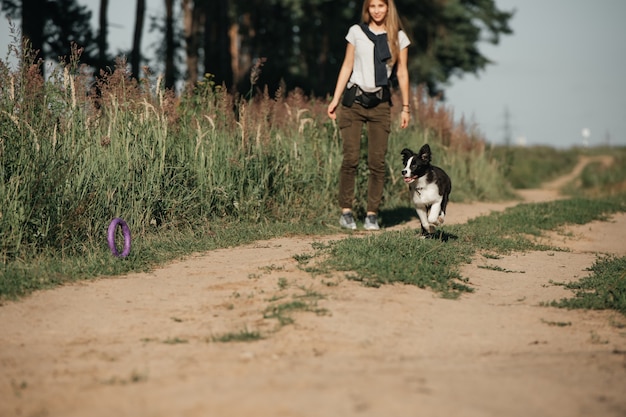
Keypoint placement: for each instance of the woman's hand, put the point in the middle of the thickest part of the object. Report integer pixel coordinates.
(405, 117)
(403, 82)
(332, 109)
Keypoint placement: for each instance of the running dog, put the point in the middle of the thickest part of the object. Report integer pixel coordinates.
(429, 187)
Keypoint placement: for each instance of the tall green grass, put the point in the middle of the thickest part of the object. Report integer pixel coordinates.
(76, 154)
(72, 159)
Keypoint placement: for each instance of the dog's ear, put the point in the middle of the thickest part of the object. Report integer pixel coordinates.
(425, 154)
(406, 154)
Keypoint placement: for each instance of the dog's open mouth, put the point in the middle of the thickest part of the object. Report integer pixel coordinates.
(409, 180)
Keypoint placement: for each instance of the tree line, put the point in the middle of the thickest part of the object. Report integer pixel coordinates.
(298, 43)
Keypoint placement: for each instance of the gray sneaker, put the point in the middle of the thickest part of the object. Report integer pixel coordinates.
(347, 221)
(371, 222)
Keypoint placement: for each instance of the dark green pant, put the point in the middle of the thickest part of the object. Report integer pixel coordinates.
(378, 122)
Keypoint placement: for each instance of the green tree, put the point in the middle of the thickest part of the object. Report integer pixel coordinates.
(302, 41)
(446, 35)
(52, 26)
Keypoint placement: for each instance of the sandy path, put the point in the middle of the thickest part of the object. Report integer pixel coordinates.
(142, 345)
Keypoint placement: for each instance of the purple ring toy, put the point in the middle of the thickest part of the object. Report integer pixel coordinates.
(111, 237)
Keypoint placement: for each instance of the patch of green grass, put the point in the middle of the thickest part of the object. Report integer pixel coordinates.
(402, 257)
(604, 289)
(275, 298)
(316, 270)
(307, 301)
(281, 312)
(134, 378)
(532, 219)
(303, 258)
(243, 335)
(557, 323)
(309, 294)
(175, 341)
(500, 269)
(271, 268)
(283, 284)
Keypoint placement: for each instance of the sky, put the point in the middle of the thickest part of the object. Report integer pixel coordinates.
(558, 80)
(561, 76)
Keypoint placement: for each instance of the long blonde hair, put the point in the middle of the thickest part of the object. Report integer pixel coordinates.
(392, 26)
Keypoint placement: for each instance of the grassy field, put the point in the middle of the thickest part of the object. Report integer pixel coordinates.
(600, 179)
(187, 172)
(528, 167)
(207, 169)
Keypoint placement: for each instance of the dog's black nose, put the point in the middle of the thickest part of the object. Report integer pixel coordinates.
(404, 172)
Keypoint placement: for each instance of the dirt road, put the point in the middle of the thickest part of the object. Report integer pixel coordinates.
(145, 344)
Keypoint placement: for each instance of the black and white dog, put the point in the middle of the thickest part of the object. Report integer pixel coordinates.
(429, 186)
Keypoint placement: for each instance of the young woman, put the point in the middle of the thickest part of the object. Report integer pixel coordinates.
(376, 48)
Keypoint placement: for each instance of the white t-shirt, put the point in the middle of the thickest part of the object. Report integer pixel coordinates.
(363, 72)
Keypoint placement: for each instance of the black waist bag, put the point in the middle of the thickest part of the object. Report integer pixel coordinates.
(365, 99)
(349, 96)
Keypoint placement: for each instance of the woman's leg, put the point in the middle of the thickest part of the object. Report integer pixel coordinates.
(350, 126)
(379, 126)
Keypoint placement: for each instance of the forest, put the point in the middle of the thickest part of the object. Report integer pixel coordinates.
(300, 44)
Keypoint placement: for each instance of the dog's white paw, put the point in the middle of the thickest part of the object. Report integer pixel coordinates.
(440, 220)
